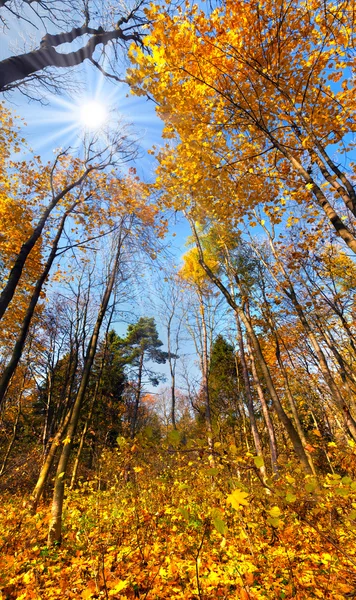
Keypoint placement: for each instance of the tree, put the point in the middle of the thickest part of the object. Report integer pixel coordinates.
(141, 344)
(112, 383)
(263, 110)
(17, 214)
(61, 184)
(224, 384)
(132, 220)
(55, 529)
(286, 285)
(104, 400)
(99, 29)
(65, 334)
(73, 191)
(15, 274)
(172, 316)
(244, 316)
(194, 275)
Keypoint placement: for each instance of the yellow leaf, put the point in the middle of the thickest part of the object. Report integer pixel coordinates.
(121, 584)
(275, 512)
(28, 577)
(237, 498)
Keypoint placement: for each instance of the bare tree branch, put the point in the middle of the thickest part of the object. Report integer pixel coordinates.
(17, 70)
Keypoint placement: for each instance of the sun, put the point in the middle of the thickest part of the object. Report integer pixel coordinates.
(93, 115)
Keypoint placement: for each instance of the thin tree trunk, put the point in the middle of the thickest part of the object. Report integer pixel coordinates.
(173, 401)
(21, 338)
(172, 374)
(60, 409)
(324, 367)
(16, 271)
(46, 427)
(293, 434)
(265, 412)
(250, 408)
(55, 528)
(241, 412)
(92, 404)
(335, 220)
(205, 378)
(345, 371)
(288, 392)
(14, 432)
(289, 291)
(293, 407)
(81, 443)
(137, 396)
(47, 464)
(332, 303)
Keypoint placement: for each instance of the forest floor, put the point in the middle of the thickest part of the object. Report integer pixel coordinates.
(179, 528)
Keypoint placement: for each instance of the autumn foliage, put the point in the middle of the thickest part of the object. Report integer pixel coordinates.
(180, 423)
(179, 529)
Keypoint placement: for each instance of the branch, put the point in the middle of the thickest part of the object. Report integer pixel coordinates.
(105, 73)
(18, 68)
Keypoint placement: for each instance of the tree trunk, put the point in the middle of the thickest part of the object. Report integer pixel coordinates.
(346, 373)
(19, 68)
(47, 464)
(293, 407)
(293, 434)
(14, 430)
(288, 392)
(205, 377)
(289, 291)
(92, 404)
(265, 412)
(172, 374)
(81, 444)
(173, 401)
(241, 412)
(22, 336)
(16, 271)
(251, 412)
(324, 367)
(46, 427)
(55, 529)
(337, 223)
(137, 396)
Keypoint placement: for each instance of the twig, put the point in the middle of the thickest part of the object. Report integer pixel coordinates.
(207, 524)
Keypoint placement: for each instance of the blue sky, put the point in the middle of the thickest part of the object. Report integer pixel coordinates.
(55, 123)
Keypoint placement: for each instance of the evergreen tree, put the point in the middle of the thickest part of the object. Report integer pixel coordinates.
(141, 345)
(224, 382)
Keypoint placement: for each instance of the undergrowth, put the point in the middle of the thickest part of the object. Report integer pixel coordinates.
(185, 525)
